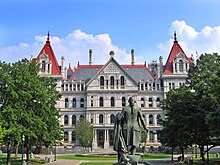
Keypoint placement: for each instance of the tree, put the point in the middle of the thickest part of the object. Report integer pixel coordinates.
(178, 107)
(28, 105)
(204, 79)
(84, 133)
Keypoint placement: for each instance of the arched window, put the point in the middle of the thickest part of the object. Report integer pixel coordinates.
(122, 81)
(158, 102)
(151, 136)
(73, 137)
(66, 103)
(65, 136)
(102, 81)
(112, 101)
(123, 100)
(150, 102)
(100, 119)
(142, 102)
(112, 118)
(43, 66)
(74, 120)
(74, 103)
(81, 103)
(112, 82)
(101, 102)
(66, 120)
(82, 117)
(186, 66)
(181, 65)
(151, 120)
(159, 119)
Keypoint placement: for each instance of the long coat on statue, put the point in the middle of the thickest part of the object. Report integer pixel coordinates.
(132, 121)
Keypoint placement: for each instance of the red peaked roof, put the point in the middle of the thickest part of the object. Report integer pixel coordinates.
(176, 49)
(47, 49)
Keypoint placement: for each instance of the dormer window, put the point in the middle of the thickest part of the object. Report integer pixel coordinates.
(43, 68)
(181, 65)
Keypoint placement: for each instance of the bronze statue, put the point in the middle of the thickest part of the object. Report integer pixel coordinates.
(127, 130)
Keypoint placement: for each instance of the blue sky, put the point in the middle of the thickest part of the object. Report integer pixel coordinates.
(105, 25)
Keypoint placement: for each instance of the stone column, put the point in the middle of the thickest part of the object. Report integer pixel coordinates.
(70, 120)
(94, 142)
(148, 138)
(106, 141)
(62, 120)
(147, 120)
(155, 137)
(70, 136)
(155, 119)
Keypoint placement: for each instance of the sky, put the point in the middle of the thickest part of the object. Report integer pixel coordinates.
(75, 26)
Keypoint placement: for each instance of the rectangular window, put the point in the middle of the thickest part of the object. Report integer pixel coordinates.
(91, 103)
(82, 87)
(173, 85)
(142, 87)
(74, 87)
(66, 87)
(170, 87)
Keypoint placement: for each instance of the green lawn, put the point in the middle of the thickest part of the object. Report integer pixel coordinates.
(83, 157)
(3, 158)
(99, 157)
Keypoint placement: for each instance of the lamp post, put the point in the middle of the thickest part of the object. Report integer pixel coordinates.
(22, 150)
(196, 150)
(55, 153)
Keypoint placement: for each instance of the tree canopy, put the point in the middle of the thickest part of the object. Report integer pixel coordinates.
(84, 133)
(28, 105)
(192, 113)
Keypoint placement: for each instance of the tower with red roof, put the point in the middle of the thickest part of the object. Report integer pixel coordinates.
(175, 71)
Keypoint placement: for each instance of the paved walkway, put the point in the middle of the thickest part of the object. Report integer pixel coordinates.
(77, 162)
(66, 162)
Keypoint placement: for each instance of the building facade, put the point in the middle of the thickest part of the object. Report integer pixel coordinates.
(98, 92)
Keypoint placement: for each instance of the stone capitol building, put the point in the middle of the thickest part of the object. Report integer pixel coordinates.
(98, 92)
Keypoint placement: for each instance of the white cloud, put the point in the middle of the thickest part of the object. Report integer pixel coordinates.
(192, 41)
(74, 47)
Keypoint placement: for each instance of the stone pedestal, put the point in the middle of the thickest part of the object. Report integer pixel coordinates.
(133, 160)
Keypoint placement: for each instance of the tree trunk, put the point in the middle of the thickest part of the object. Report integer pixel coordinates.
(202, 153)
(27, 151)
(16, 151)
(9, 154)
(172, 154)
(40, 148)
(182, 152)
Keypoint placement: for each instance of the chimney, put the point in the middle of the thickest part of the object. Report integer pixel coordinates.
(161, 65)
(132, 56)
(62, 64)
(90, 56)
(112, 53)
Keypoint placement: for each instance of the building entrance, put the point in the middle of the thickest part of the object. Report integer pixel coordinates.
(101, 138)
